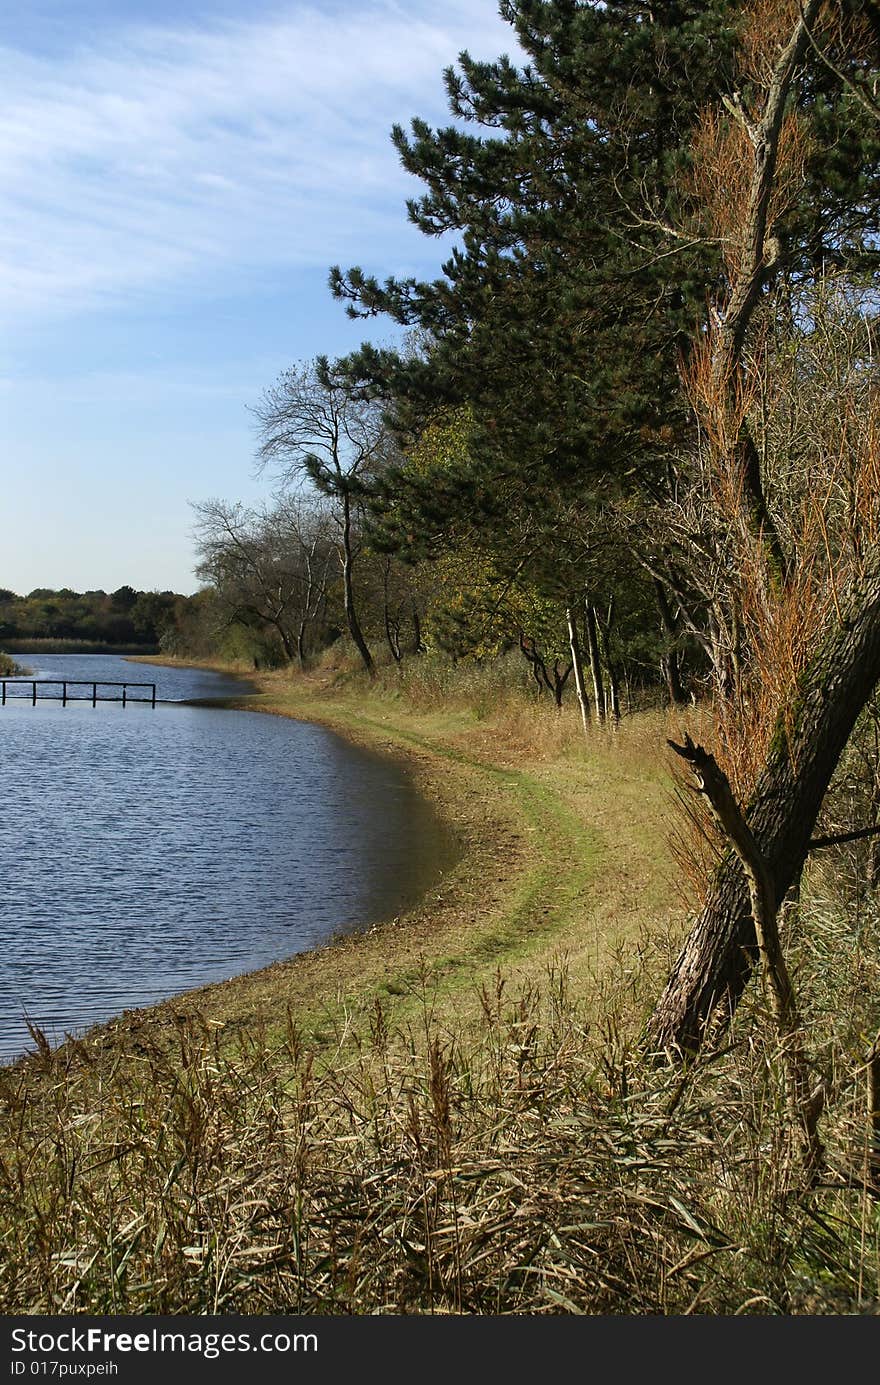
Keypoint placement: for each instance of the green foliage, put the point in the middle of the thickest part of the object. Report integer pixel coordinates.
(126, 617)
(558, 329)
(548, 387)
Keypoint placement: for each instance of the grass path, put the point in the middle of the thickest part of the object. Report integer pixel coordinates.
(559, 856)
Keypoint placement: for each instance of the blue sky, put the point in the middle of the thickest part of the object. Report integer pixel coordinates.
(178, 178)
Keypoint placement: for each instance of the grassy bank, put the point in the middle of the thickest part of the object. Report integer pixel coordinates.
(449, 1113)
(557, 851)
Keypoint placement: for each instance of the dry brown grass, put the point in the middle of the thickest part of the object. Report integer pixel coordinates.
(528, 1163)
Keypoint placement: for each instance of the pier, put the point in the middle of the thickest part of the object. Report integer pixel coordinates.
(31, 689)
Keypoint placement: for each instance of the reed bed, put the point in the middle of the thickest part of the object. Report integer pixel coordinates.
(530, 1163)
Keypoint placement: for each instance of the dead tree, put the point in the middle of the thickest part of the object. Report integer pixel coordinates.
(811, 732)
(804, 1105)
(540, 673)
(816, 714)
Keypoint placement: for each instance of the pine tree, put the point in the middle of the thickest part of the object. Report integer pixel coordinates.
(626, 206)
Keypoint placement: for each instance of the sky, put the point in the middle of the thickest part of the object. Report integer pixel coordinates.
(177, 179)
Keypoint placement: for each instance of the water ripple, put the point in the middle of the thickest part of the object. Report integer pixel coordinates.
(144, 852)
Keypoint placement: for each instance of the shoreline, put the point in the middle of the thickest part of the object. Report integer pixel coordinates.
(517, 891)
(379, 957)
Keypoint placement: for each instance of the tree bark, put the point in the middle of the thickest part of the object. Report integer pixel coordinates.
(286, 642)
(669, 662)
(812, 729)
(758, 265)
(816, 719)
(536, 663)
(560, 678)
(354, 627)
(578, 668)
(804, 1106)
(595, 662)
(605, 626)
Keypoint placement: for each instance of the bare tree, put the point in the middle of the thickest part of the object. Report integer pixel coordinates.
(268, 566)
(314, 431)
(804, 655)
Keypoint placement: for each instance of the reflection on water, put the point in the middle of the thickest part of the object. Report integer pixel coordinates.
(145, 852)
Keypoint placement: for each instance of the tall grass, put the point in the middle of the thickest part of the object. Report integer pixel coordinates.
(8, 666)
(529, 1163)
(40, 645)
(499, 693)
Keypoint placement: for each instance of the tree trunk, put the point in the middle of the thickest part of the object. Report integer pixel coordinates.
(671, 671)
(392, 625)
(578, 668)
(536, 663)
(560, 678)
(418, 646)
(313, 598)
(354, 628)
(595, 663)
(610, 664)
(614, 694)
(286, 643)
(669, 663)
(812, 730)
(392, 636)
(804, 1106)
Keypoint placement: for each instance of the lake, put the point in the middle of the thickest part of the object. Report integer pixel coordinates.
(144, 852)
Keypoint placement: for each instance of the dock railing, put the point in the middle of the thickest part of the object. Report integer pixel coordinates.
(29, 691)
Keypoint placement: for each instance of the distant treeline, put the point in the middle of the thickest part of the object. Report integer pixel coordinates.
(123, 617)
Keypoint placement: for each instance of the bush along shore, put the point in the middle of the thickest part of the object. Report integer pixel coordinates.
(8, 667)
(455, 1112)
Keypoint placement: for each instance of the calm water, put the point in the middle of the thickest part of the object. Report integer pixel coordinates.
(172, 684)
(144, 852)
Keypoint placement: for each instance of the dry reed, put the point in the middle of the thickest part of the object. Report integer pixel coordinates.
(526, 1164)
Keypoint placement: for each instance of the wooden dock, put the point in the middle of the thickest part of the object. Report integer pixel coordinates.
(26, 690)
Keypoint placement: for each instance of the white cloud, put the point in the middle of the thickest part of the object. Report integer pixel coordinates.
(156, 158)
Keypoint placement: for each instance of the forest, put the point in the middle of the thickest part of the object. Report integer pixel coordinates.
(121, 618)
